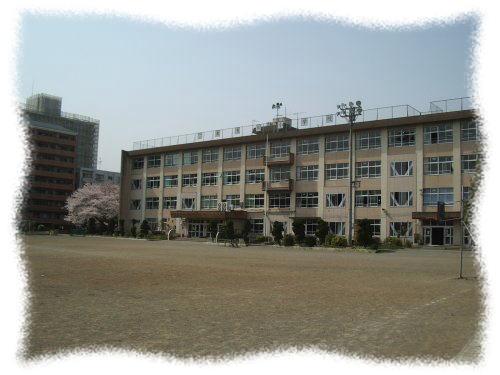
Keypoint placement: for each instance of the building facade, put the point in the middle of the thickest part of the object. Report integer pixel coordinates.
(52, 176)
(96, 176)
(47, 108)
(401, 167)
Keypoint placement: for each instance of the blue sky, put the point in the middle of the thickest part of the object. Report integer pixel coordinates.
(145, 80)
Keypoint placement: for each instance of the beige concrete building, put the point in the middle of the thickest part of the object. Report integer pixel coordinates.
(404, 163)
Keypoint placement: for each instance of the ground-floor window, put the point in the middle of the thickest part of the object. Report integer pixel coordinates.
(337, 228)
(311, 225)
(401, 229)
(375, 225)
(257, 226)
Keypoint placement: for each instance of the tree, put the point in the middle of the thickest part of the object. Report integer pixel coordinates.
(322, 230)
(133, 229)
(144, 228)
(247, 227)
(94, 202)
(212, 229)
(299, 229)
(277, 231)
(121, 226)
(364, 233)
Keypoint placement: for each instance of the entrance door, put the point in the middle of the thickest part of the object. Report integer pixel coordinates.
(437, 236)
(197, 230)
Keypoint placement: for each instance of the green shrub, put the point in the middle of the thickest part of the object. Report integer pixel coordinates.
(289, 240)
(393, 242)
(408, 243)
(133, 231)
(338, 241)
(260, 239)
(156, 237)
(322, 231)
(364, 233)
(328, 239)
(310, 241)
(213, 228)
(40, 227)
(247, 227)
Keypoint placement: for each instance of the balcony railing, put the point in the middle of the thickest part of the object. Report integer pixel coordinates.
(285, 185)
(332, 119)
(287, 159)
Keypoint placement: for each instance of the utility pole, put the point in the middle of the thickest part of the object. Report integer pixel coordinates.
(350, 112)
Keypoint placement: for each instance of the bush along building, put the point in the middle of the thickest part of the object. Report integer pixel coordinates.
(403, 162)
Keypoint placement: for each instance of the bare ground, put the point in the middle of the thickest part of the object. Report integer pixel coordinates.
(191, 299)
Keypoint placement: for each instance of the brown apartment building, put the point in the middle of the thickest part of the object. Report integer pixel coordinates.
(52, 175)
(403, 163)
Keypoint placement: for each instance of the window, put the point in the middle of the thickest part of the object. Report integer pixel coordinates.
(171, 159)
(138, 163)
(368, 198)
(233, 200)
(336, 171)
(210, 155)
(169, 203)
(189, 157)
(368, 139)
(136, 184)
(368, 169)
(153, 182)
(170, 181)
(99, 177)
(231, 177)
(434, 195)
(465, 193)
(279, 200)
(306, 200)
(279, 174)
(257, 226)
(469, 163)
(188, 203)
(468, 130)
(232, 153)
(153, 222)
(401, 198)
(280, 149)
(254, 176)
(438, 165)
(308, 146)
(337, 228)
(375, 224)
(335, 200)
(310, 225)
(337, 142)
(438, 134)
(154, 161)
(256, 151)
(254, 200)
(307, 172)
(401, 168)
(208, 201)
(401, 137)
(209, 179)
(152, 203)
(135, 204)
(401, 229)
(189, 179)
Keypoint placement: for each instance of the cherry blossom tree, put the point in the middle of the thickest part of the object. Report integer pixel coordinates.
(99, 202)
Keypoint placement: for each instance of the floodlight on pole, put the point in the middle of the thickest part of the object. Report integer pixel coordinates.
(350, 112)
(277, 107)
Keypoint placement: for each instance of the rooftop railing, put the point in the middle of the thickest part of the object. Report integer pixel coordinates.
(372, 114)
(68, 115)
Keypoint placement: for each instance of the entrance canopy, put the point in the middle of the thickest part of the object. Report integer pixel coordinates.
(450, 215)
(208, 215)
